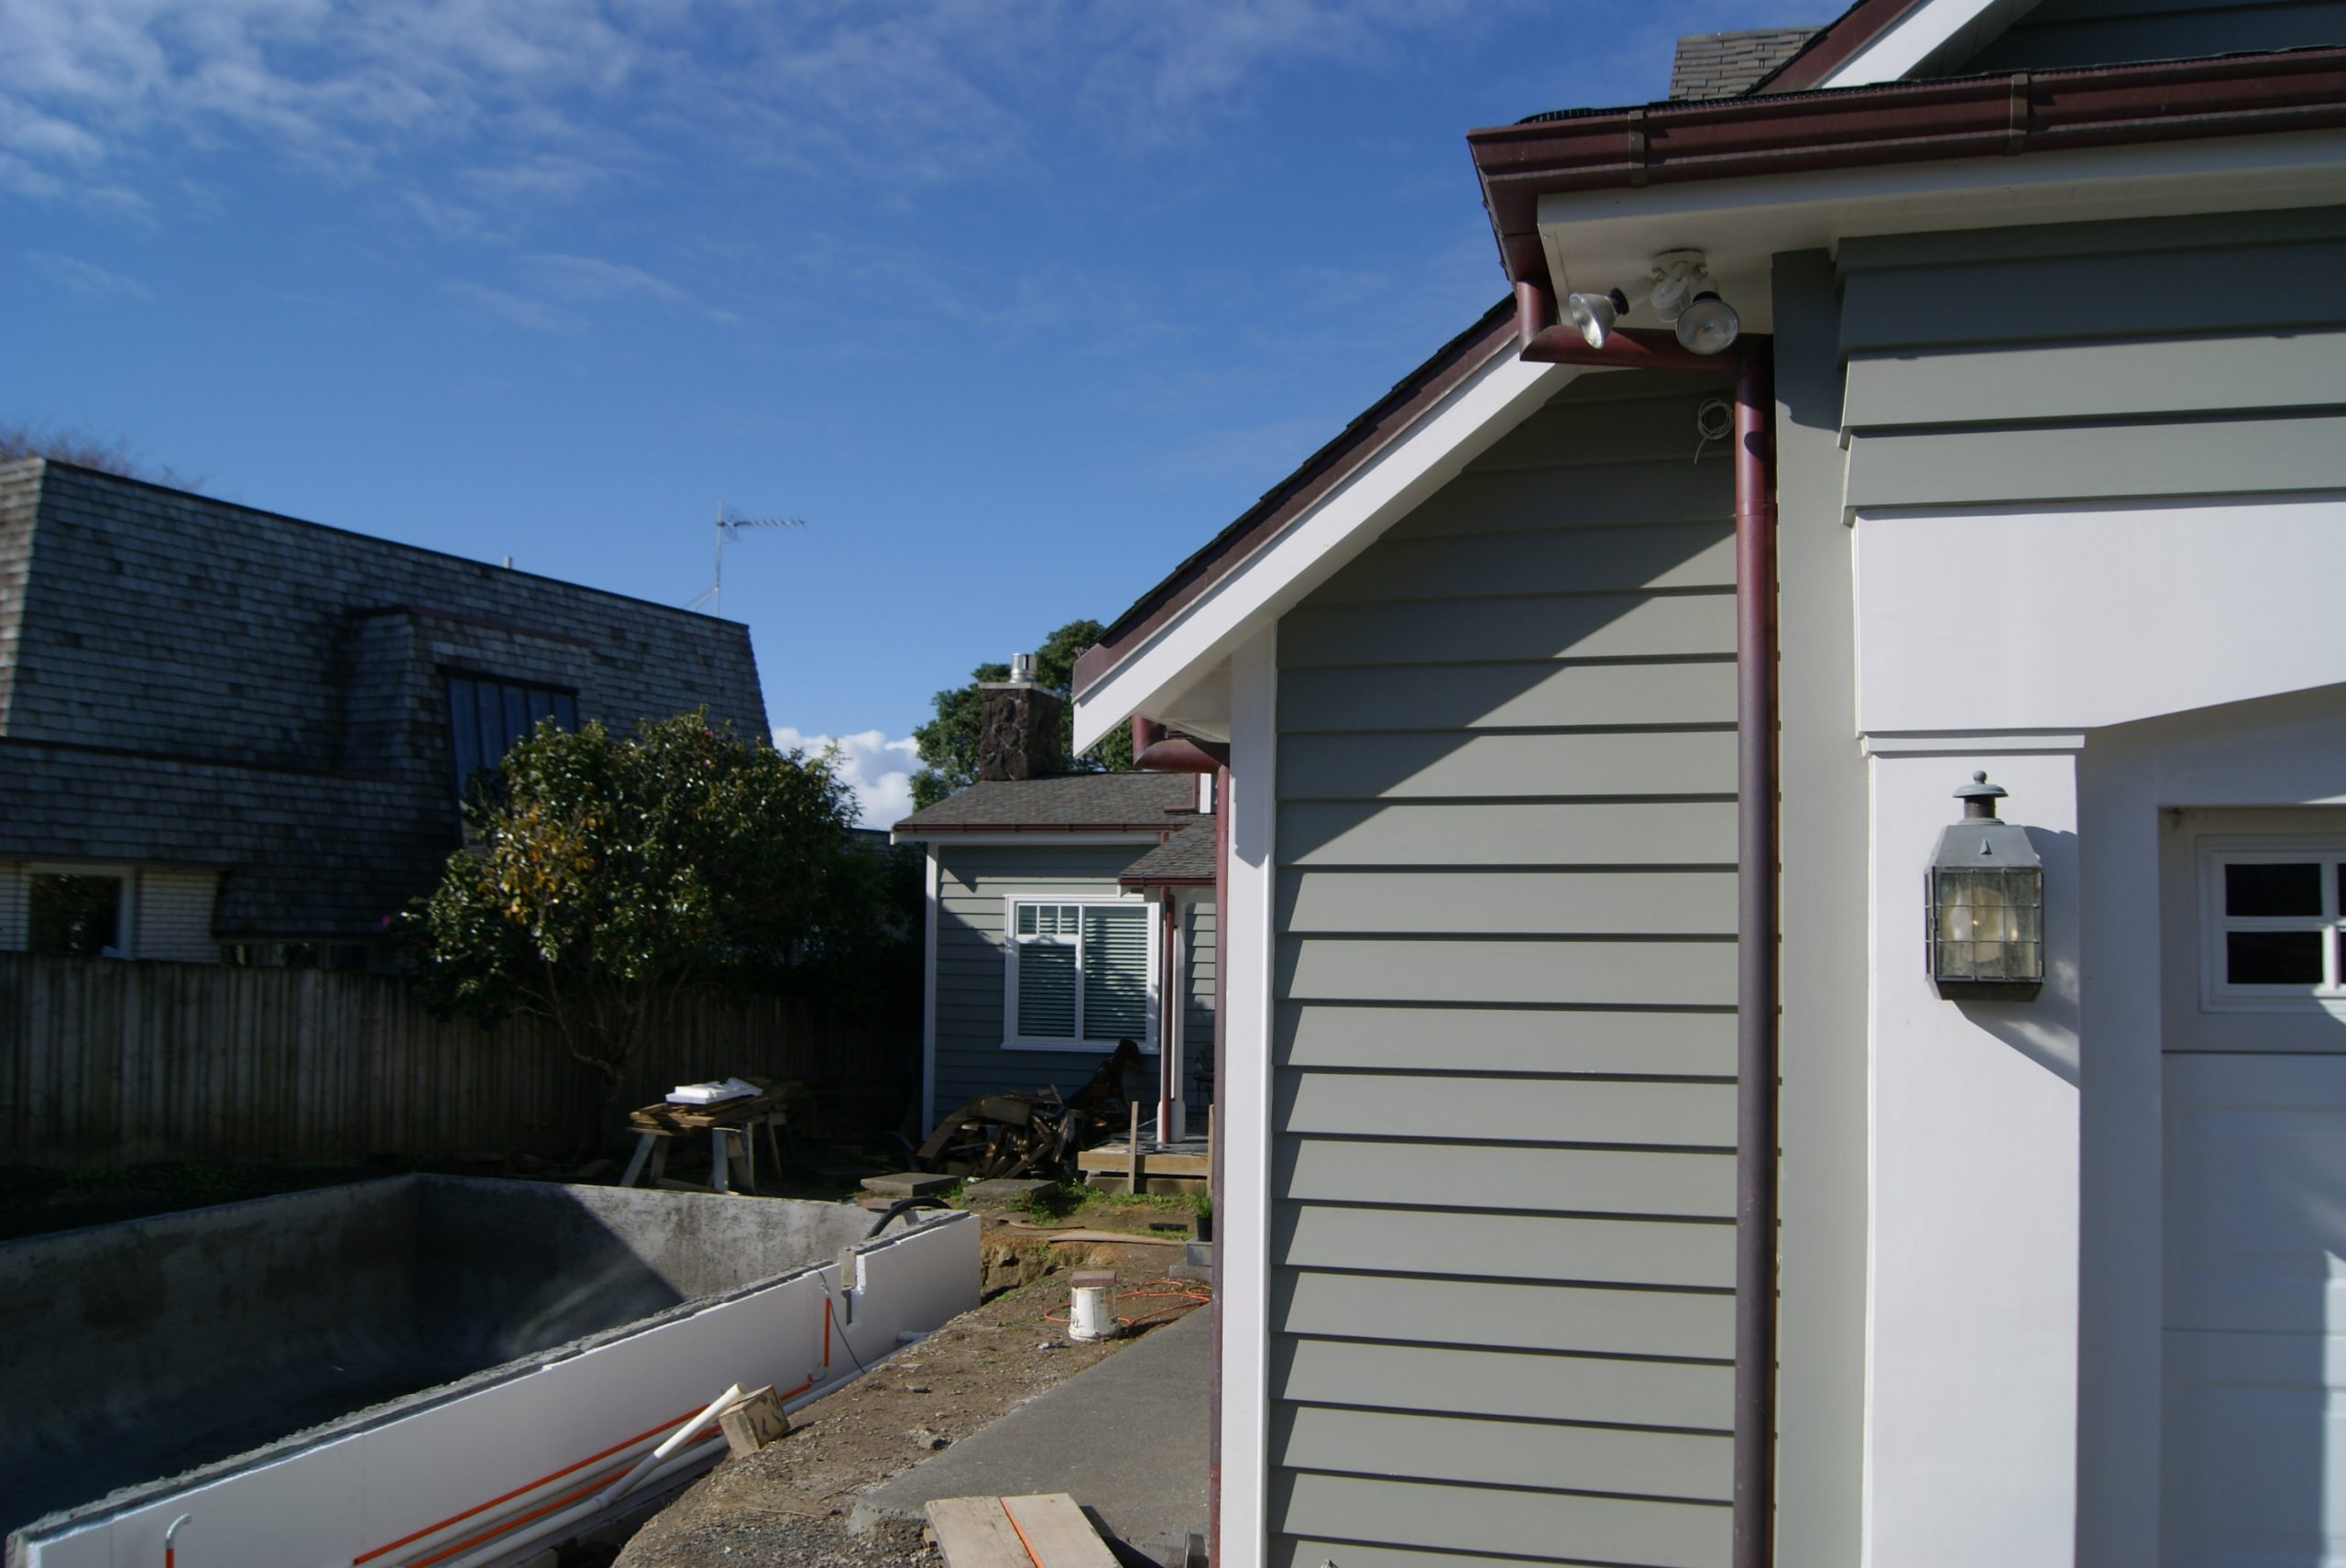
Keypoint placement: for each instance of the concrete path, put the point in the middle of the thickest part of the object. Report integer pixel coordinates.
(1127, 1438)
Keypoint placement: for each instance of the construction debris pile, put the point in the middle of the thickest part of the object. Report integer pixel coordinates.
(1039, 1135)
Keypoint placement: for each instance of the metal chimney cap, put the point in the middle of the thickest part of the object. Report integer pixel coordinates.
(1022, 673)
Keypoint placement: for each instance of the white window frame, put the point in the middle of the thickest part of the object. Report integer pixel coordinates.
(125, 928)
(2218, 995)
(1011, 1040)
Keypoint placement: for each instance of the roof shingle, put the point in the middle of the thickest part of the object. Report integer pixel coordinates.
(1074, 803)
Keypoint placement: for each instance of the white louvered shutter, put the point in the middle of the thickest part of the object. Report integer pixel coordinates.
(1047, 971)
(1115, 974)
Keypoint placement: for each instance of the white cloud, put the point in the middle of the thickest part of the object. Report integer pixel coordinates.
(87, 279)
(878, 769)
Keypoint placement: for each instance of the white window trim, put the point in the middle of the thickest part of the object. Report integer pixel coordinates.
(1011, 1040)
(125, 933)
(2219, 996)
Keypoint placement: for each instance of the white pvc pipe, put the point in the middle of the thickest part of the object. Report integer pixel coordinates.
(627, 1483)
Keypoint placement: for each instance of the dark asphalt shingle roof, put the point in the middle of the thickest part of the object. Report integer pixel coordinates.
(1074, 803)
(1187, 855)
(1727, 65)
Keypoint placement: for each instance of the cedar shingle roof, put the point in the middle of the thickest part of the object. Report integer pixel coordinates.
(1727, 65)
(1074, 803)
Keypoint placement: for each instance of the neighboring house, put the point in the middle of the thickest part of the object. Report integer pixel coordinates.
(1065, 912)
(225, 734)
(1533, 679)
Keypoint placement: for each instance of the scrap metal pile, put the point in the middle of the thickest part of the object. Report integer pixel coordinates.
(1037, 1135)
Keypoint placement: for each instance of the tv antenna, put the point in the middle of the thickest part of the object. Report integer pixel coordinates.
(727, 523)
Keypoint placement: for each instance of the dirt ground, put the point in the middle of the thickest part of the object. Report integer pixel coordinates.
(789, 1503)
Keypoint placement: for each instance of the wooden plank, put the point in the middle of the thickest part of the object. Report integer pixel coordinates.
(1113, 1157)
(974, 1532)
(1057, 1534)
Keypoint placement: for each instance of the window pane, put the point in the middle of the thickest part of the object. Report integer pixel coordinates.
(1115, 974)
(80, 916)
(463, 738)
(540, 707)
(489, 718)
(517, 716)
(2273, 958)
(566, 710)
(2268, 889)
(1047, 991)
(1027, 914)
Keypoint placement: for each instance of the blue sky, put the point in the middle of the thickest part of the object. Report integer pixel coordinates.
(1016, 303)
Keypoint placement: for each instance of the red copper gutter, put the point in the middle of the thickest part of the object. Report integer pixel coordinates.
(1756, 862)
(1904, 122)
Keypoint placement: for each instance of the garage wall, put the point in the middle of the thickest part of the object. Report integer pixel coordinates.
(1503, 1177)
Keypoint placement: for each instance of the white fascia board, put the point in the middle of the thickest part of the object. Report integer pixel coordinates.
(1596, 238)
(1478, 411)
(1931, 34)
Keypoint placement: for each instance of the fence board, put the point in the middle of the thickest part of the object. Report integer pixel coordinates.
(104, 1062)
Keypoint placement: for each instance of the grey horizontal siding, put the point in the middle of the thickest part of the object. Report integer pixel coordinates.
(1502, 1245)
(1482, 1108)
(1548, 1526)
(2055, 462)
(1509, 1246)
(2061, 33)
(2073, 363)
(1410, 1166)
(1509, 900)
(1672, 1042)
(2096, 381)
(1499, 1453)
(1680, 1395)
(1504, 1315)
(1509, 833)
(1494, 969)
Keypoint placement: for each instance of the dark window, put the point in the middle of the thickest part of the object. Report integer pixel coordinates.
(77, 916)
(2273, 888)
(2273, 958)
(486, 716)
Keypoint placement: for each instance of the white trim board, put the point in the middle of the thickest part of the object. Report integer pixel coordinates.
(1244, 934)
(1461, 427)
(1930, 36)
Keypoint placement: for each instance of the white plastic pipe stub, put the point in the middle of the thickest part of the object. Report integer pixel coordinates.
(1093, 1314)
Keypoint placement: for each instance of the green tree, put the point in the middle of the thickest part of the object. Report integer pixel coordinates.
(607, 883)
(948, 743)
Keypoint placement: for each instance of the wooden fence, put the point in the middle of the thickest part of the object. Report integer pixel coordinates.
(104, 1062)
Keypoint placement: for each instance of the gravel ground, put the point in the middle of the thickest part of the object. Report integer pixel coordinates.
(789, 1503)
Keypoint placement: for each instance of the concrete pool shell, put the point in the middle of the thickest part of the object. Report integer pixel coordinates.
(366, 1360)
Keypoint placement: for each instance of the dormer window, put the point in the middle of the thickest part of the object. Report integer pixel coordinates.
(487, 715)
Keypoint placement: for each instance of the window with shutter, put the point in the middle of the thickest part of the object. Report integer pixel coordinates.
(1080, 974)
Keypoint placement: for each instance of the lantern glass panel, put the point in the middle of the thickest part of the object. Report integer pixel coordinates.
(1990, 924)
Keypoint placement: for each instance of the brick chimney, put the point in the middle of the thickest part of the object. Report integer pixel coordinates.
(1018, 726)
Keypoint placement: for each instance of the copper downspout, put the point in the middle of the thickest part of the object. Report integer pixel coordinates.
(1756, 856)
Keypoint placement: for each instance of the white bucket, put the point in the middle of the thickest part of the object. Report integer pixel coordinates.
(1093, 1315)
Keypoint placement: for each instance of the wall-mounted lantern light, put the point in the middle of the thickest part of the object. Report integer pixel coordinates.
(1985, 897)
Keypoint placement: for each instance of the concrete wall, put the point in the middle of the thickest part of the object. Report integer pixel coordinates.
(1500, 1241)
(144, 1348)
(459, 1472)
